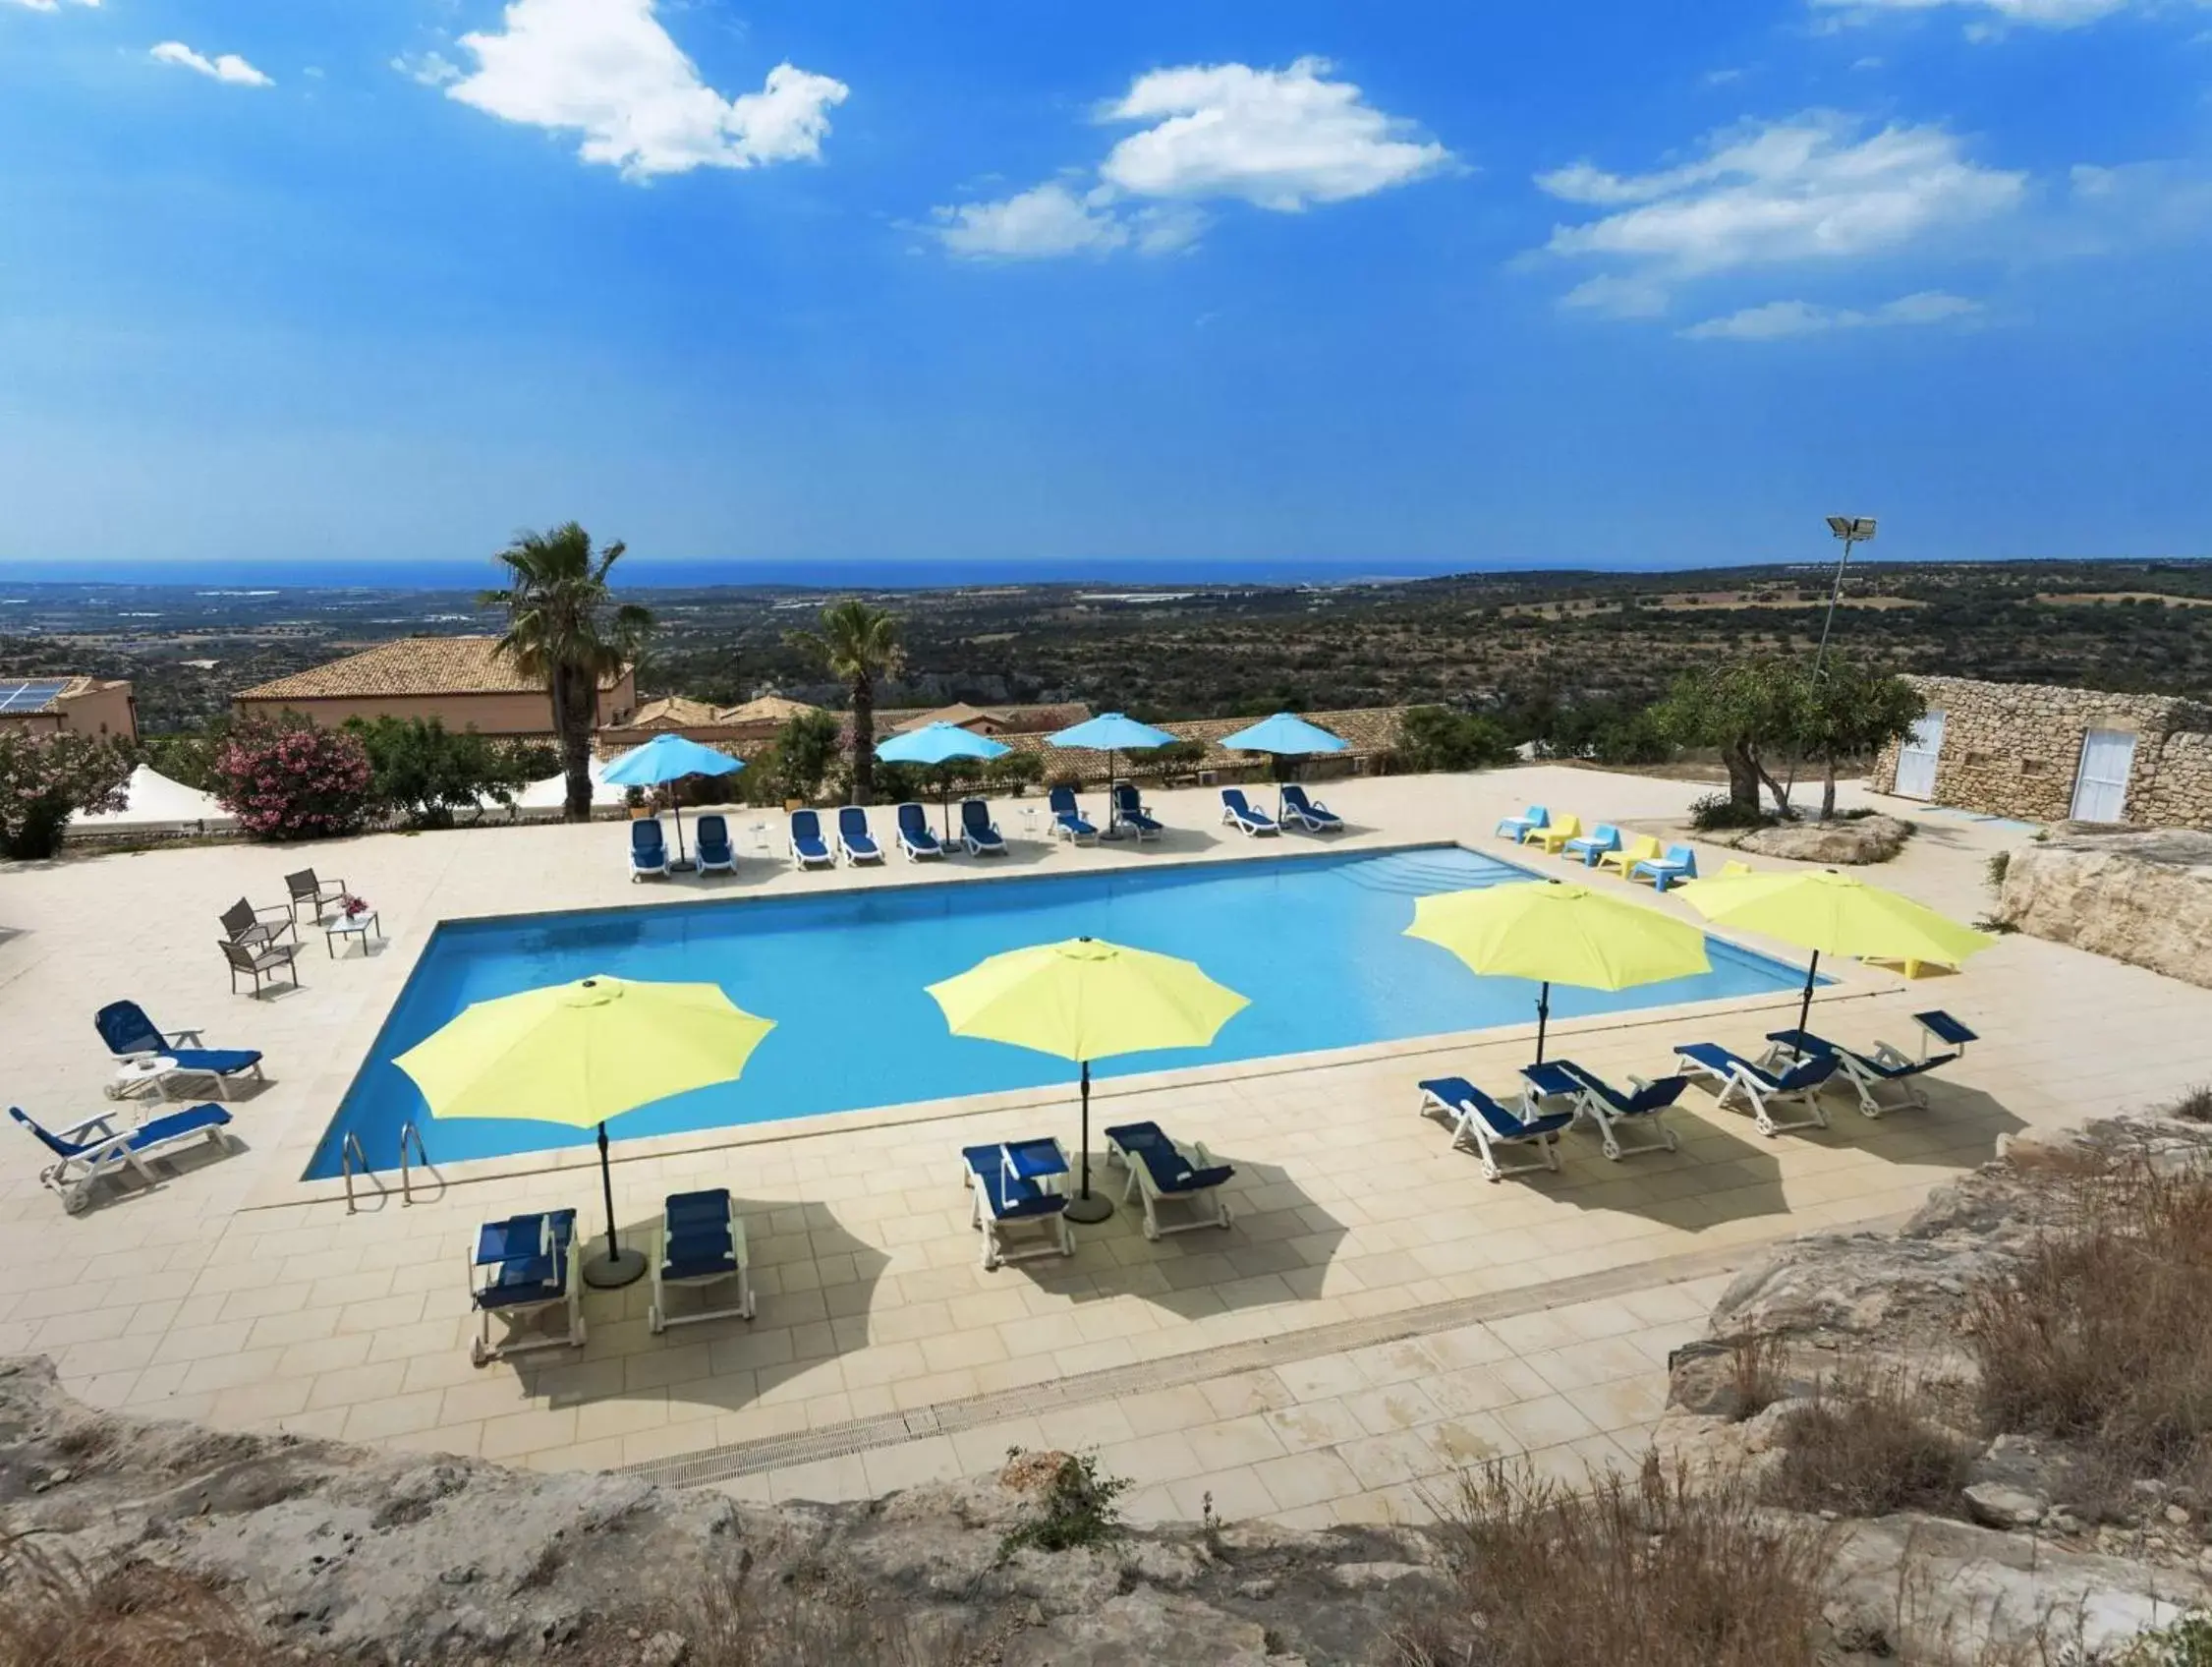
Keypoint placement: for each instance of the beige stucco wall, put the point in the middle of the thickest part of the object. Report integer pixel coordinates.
(2015, 749)
(102, 711)
(488, 715)
(97, 712)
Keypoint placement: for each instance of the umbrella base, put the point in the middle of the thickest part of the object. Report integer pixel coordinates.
(610, 1273)
(1088, 1210)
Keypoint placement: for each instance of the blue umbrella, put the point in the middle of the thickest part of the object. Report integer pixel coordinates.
(940, 743)
(1109, 732)
(1287, 734)
(671, 758)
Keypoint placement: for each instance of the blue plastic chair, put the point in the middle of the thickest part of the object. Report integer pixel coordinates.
(1678, 865)
(716, 856)
(1516, 828)
(807, 847)
(649, 850)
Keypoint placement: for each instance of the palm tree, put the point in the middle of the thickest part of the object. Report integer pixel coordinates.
(858, 644)
(563, 625)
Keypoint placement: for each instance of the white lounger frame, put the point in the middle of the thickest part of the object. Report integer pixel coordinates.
(1471, 1133)
(660, 1319)
(1209, 1207)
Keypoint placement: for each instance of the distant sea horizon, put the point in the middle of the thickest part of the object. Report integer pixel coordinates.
(646, 572)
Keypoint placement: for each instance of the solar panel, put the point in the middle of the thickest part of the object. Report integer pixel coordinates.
(31, 696)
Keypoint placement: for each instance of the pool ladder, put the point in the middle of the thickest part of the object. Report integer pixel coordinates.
(351, 1156)
(409, 1132)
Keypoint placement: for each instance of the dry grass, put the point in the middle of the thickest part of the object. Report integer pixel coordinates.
(2193, 1107)
(1641, 1571)
(1755, 1374)
(2103, 1337)
(55, 1613)
(1865, 1448)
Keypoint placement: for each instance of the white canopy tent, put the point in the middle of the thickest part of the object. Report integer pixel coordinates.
(154, 801)
(552, 793)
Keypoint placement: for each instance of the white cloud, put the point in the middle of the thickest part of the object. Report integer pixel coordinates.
(1612, 296)
(608, 68)
(1780, 318)
(1056, 218)
(1815, 188)
(224, 67)
(427, 69)
(2033, 14)
(1278, 139)
(1045, 221)
(52, 4)
(1283, 140)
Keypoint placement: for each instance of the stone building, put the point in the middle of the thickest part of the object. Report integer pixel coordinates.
(2048, 754)
(461, 682)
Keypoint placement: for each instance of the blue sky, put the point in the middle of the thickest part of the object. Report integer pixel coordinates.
(1464, 281)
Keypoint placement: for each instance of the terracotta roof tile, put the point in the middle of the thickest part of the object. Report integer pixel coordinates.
(411, 665)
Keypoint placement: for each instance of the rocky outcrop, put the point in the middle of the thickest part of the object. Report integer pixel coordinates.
(2145, 898)
(346, 1555)
(2010, 1557)
(1850, 842)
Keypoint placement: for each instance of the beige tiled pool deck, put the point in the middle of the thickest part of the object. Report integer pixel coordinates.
(1377, 1315)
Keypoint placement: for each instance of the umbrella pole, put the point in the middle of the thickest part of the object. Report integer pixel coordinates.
(618, 1267)
(1805, 1007)
(1088, 1207)
(1542, 1017)
(676, 809)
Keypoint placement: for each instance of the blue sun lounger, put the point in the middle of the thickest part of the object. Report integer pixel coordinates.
(715, 854)
(95, 1148)
(1129, 812)
(1163, 1170)
(807, 848)
(1239, 813)
(1678, 865)
(1310, 813)
(1762, 1089)
(130, 1034)
(699, 1241)
(1067, 818)
(522, 1269)
(1885, 1067)
(916, 838)
(1486, 1127)
(1518, 828)
(856, 840)
(977, 833)
(1612, 1110)
(648, 848)
(1594, 844)
(1018, 1184)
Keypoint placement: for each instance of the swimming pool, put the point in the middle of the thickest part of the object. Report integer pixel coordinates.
(1315, 941)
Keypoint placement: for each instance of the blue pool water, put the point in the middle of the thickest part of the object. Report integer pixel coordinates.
(1315, 941)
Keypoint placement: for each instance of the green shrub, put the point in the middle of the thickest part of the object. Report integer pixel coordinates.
(1077, 1509)
(1717, 811)
(1437, 738)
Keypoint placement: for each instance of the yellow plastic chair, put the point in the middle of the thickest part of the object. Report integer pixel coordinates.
(1732, 868)
(1642, 848)
(1558, 833)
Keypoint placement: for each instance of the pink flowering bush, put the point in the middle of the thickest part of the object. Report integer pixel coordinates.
(44, 779)
(293, 782)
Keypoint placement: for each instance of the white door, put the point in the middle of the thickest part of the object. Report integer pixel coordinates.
(1916, 759)
(2100, 790)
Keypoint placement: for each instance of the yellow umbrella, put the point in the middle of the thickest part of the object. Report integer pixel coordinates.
(1832, 913)
(1559, 933)
(582, 1052)
(1086, 999)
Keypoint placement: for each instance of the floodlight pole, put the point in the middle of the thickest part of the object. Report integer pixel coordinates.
(1851, 529)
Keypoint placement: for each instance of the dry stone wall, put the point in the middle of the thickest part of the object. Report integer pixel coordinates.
(2015, 749)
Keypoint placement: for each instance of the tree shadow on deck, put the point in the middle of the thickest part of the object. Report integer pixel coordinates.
(1276, 1248)
(813, 1284)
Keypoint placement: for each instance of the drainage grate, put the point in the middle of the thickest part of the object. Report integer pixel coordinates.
(1176, 1371)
